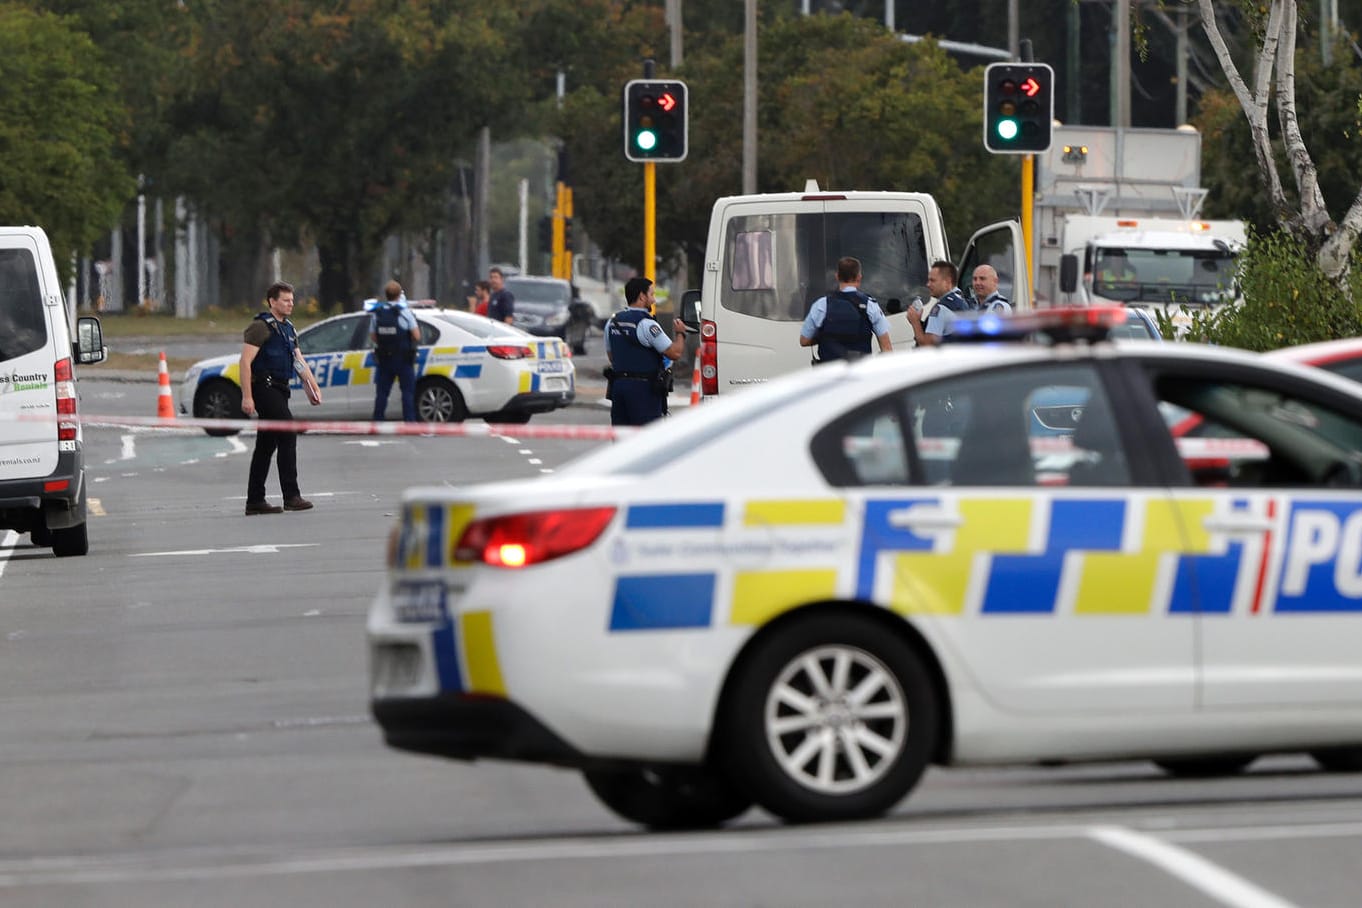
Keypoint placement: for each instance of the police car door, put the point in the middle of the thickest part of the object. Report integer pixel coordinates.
(335, 350)
(1034, 560)
(1001, 246)
(1271, 489)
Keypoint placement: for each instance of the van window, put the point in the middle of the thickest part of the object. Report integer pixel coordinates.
(23, 325)
(778, 264)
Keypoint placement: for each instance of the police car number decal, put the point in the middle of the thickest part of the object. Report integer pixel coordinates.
(422, 602)
(551, 365)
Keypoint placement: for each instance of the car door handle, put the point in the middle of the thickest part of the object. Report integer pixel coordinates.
(1246, 523)
(923, 517)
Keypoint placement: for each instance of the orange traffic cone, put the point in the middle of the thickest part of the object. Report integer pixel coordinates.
(695, 384)
(165, 404)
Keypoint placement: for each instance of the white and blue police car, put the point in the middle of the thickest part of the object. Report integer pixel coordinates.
(802, 596)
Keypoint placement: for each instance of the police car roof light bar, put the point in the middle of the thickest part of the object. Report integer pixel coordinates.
(1065, 324)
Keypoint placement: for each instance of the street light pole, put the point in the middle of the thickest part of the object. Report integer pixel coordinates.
(749, 99)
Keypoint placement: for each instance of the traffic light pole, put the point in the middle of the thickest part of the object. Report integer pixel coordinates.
(1028, 214)
(650, 221)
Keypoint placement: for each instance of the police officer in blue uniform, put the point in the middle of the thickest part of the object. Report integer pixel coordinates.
(269, 357)
(950, 302)
(842, 323)
(395, 335)
(639, 353)
(986, 295)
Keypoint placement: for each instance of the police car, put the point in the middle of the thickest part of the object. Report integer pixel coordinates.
(467, 365)
(802, 596)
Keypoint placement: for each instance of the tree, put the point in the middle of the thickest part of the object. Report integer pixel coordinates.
(60, 125)
(1306, 217)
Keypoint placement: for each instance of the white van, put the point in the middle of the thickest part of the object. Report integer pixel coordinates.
(42, 467)
(769, 257)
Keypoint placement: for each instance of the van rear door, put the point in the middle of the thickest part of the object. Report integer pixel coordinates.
(27, 361)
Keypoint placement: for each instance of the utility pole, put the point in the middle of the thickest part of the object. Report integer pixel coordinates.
(1120, 65)
(749, 99)
(673, 14)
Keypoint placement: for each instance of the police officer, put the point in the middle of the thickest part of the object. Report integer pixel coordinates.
(269, 357)
(950, 302)
(638, 351)
(395, 335)
(842, 323)
(986, 295)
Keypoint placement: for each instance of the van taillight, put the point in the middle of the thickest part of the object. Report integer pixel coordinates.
(709, 358)
(66, 399)
(519, 540)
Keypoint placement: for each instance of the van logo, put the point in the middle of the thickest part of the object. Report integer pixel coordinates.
(17, 381)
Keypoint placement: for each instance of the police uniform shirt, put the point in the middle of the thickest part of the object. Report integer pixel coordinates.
(997, 303)
(502, 305)
(942, 318)
(651, 335)
(819, 310)
(406, 319)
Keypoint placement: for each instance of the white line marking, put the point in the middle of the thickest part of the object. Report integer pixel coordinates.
(238, 446)
(95, 506)
(129, 447)
(1211, 879)
(7, 543)
(535, 460)
(264, 549)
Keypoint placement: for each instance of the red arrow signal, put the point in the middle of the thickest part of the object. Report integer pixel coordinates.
(667, 101)
(1030, 87)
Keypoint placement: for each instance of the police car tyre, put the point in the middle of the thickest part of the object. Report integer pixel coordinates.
(831, 717)
(1339, 759)
(1206, 767)
(218, 400)
(513, 417)
(668, 798)
(437, 400)
(70, 541)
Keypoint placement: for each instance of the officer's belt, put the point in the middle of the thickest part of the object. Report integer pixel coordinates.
(639, 376)
(270, 381)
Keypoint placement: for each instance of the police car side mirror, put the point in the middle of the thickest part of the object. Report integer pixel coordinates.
(892, 306)
(1068, 273)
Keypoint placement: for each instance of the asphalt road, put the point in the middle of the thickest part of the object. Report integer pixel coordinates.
(184, 721)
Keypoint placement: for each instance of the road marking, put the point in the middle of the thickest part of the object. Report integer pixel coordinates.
(7, 543)
(129, 447)
(95, 506)
(247, 549)
(1194, 870)
(198, 866)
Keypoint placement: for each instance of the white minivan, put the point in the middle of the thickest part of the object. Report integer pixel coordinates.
(768, 257)
(42, 467)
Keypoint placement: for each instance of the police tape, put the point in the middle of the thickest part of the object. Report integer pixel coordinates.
(331, 427)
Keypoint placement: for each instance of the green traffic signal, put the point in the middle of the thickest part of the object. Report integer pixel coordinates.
(1007, 129)
(645, 140)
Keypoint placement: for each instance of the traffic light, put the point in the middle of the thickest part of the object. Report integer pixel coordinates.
(567, 234)
(655, 120)
(546, 233)
(1018, 107)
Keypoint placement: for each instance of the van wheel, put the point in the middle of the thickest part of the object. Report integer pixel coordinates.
(1206, 767)
(70, 541)
(218, 400)
(40, 535)
(437, 400)
(668, 798)
(830, 718)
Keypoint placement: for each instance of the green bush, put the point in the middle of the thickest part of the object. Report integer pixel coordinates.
(1287, 301)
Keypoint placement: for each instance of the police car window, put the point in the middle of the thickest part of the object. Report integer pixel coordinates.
(331, 337)
(429, 333)
(23, 326)
(778, 264)
(1243, 435)
(1348, 368)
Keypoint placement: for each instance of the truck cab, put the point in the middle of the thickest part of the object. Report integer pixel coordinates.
(768, 257)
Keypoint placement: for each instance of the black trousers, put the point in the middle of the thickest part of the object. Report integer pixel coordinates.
(271, 402)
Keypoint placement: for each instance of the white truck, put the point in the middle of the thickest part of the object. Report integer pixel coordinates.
(1117, 222)
(768, 257)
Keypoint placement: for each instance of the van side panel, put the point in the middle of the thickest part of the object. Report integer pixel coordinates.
(28, 338)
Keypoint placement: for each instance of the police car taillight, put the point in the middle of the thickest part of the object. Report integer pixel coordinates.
(509, 351)
(66, 399)
(709, 358)
(520, 540)
(1058, 325)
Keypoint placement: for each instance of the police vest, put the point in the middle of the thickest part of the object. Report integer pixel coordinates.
(996, 302)
(957, 303)
(275, 358)
(846, 326)
(627, 355)
(393, 340)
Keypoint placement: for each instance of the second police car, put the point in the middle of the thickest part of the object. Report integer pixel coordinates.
(802, 596)
(467, 365)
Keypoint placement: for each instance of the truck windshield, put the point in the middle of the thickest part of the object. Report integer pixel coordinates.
(1184, 276)
(23, 326)
(778, 264)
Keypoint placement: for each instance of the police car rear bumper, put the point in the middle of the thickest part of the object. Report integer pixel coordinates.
(540, 401)
(467, 727)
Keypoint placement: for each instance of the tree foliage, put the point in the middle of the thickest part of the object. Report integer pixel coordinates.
(61, 122)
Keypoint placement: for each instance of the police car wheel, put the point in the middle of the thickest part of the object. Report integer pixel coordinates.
(668, 798)
(1339, 759)
(1206, 767)
(218, 400)
(832, 717)
(437, 400)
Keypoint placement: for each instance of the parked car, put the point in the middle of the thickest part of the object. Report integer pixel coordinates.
(467, 365)
(546, 306)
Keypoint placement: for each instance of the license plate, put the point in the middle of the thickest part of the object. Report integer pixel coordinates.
(551, 365)
(555, 384)
(420, 603)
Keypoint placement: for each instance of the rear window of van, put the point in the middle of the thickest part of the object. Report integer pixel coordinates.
(23, 325)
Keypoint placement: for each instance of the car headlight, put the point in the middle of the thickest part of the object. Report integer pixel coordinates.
(558, 318)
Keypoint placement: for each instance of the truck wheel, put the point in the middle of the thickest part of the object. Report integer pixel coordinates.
(70, 541)
(830, 718)
(670, 798)
(218, 400)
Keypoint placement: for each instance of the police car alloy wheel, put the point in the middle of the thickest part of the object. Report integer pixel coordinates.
(831, 717)
(218, 400)
(668, 797)
(439, 401)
